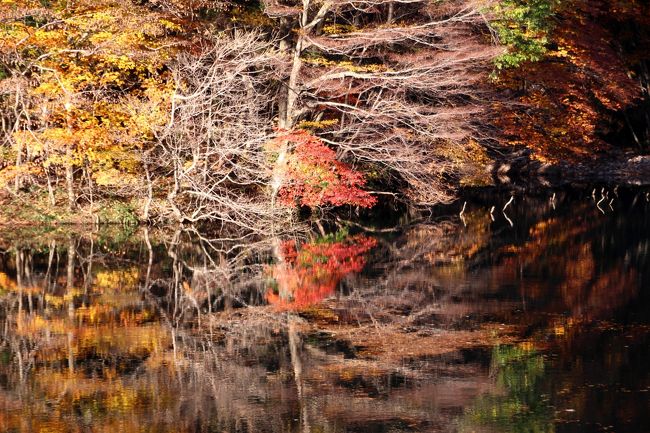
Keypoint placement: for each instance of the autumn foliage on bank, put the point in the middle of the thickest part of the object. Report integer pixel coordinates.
(579, 97)
(167, 107)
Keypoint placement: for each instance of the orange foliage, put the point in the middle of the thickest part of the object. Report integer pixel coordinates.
(312, 272)
(569, 98)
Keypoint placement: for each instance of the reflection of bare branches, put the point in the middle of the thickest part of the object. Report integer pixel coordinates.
(174, 327)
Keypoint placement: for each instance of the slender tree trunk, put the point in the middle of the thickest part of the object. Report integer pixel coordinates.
(287, 115)
(171, 196)
(292, 87)
(149, 199)
(19, 153)
(19, 162)
(69, 166)
(69, 180)
(50, 188)
(147, 242)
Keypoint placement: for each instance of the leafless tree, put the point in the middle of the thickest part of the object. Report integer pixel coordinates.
(214, 147)
(400, 80)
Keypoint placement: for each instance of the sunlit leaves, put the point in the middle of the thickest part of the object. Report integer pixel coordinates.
(573, 94)
(98, 84)
(314, 177)
(523, 27)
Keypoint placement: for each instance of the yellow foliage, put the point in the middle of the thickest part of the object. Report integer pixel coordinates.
(113, 281)
(322, 124)
(99, 85)
(346, 65)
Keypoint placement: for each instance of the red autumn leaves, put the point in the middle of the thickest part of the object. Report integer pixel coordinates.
(313, 177)
(312, 272)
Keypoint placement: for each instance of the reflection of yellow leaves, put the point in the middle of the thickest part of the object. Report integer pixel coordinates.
(6, 283)
(124, 399)
(527, 346)
(115, 280)
(135, 340)
(32, 325)
(93, 313)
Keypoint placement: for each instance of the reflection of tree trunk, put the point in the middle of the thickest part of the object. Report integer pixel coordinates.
(48, 273)
(70, 275)
(89, 270)
(72, 252)
(70, 353)
(294, 346)
(70, 267)
(19, 356)
(28, 279)
(177, 270)
(294, 349)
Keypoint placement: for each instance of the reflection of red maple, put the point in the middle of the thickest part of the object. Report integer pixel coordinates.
(312, 272)
(315, 178)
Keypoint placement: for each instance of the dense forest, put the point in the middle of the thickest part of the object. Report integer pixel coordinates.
(245, 112)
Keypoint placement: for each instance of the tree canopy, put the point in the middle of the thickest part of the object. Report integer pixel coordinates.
(243, 111)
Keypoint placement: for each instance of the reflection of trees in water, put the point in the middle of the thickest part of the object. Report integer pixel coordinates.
(303, 275)
(574, 258)
(171, 331)
(519, 404)
(84, 341)
(154, 332)
(560, 255)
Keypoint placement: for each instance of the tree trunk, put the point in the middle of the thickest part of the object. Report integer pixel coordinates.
(149, 199)
(69, 181)
(19, 162)
(50, 189)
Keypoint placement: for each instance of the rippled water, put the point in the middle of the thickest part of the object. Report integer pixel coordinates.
(536, 320)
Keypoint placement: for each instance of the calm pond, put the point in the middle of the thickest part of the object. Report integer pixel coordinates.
(536, 320)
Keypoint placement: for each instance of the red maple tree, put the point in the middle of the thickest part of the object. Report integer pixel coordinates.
(314, 177)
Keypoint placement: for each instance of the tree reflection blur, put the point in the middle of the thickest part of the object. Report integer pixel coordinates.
(438, 326)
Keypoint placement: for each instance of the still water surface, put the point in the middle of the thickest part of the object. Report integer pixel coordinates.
(533, 321)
